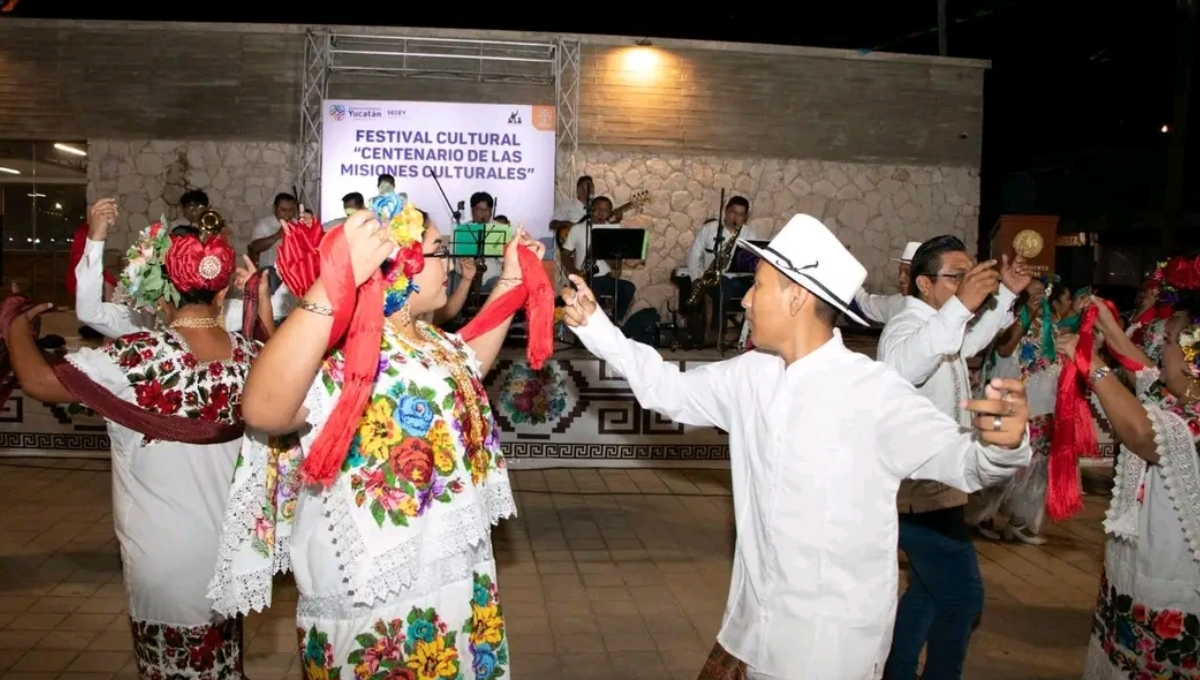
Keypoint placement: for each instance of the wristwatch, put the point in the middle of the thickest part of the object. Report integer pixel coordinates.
(1100, 373)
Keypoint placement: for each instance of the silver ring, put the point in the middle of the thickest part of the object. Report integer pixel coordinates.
(997, 424)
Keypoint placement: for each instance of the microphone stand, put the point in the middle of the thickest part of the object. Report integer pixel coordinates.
(456, 215)
(719, 303)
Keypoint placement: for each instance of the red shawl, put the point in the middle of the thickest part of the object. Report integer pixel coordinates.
(358, 327)
(1074, 423)
(98, 398)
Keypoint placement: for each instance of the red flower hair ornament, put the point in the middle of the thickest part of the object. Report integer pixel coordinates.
(194, 265)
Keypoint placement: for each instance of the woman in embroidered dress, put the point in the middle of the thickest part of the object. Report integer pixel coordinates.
(171, 399)
(1147, 621)
(401, 463)
(1032, 342)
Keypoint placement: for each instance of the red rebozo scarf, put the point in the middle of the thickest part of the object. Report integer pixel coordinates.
(111, 407)
(1074, 423)
(13, 306)
(358, 328)
(252, 326)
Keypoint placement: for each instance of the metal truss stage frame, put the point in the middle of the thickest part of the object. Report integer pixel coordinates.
(330, 55)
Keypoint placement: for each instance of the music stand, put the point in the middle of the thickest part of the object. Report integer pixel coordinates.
(479, 241)
(618, 244)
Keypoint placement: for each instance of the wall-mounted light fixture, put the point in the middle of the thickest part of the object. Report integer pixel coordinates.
(642, 60)
(9, 170)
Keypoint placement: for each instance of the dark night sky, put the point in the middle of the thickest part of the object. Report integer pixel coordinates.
(1077, 88)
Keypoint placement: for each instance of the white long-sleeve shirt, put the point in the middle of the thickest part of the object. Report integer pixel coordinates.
(817, 450)
(107, 318)
(114, 320)
(920, 341)
(930, 348)
(879, 308)
(701, 256)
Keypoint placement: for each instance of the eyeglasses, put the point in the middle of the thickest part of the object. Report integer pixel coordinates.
(439, 252)
(957, 277)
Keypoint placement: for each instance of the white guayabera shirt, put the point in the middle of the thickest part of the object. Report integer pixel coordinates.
(817, 450)
(879, 308)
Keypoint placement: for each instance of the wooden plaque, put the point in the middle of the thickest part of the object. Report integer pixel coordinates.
(1035, 237)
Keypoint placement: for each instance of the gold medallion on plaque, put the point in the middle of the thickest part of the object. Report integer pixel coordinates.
(1028, 244)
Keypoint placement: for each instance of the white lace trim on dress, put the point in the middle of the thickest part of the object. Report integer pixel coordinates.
(242, 593)
(379, 577)
(1177, 465)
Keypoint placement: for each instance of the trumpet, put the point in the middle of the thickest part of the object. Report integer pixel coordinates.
(210, 222)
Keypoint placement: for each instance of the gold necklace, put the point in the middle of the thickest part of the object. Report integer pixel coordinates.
(195, 322)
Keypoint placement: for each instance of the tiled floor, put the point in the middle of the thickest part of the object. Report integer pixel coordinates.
(605, 574)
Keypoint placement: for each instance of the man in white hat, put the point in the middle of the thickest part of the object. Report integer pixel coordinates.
(880, 308)
(949, 318)
(819, 439)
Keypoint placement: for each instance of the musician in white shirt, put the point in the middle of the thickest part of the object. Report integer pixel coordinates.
(819, 438)
(267, 234)
(880, 308)
(574, 251)
(574, 210)
(929, 343)
(733, 286)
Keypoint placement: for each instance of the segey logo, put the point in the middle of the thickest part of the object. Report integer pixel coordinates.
(514, 118)
(396, 113)
(337, 112)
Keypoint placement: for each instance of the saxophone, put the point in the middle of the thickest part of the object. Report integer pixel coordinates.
(712, 275)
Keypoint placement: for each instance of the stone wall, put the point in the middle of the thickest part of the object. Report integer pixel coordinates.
(147, 177)
(874, 209)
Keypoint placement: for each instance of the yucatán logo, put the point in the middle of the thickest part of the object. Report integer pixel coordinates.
(337, 112)
(514, 118)
(364, 112)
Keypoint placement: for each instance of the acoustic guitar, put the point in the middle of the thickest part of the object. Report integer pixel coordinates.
(637, 200)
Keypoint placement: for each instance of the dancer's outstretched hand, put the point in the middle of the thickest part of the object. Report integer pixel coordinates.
(581, 302)
(1002, 415)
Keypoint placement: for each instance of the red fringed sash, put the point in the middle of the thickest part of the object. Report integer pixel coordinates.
(153, 425)
(358, 316)
(252, 326)
(13, 306)
(1074, 424)
(536, 294)
(111, 407)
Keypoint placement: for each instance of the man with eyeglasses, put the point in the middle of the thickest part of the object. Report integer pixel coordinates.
(955, 310)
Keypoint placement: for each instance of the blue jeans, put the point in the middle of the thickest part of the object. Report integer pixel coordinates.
(610, 286)
(944, 597)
